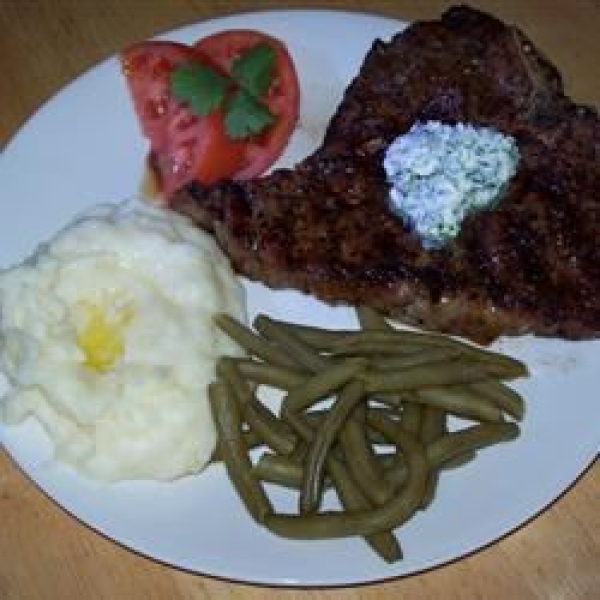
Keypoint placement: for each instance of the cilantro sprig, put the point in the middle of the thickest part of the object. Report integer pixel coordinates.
(246, 116)
(200, 86)
(254, 70)
(238, 94)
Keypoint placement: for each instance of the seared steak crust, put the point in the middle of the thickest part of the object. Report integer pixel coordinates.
(324, 227)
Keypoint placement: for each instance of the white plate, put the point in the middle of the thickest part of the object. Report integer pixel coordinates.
(84, 147)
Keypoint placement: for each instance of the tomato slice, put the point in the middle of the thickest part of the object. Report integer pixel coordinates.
(185, 146)
(196, 148)
(147, 68)
(282, 98)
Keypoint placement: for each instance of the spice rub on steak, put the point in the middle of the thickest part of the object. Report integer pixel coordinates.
(532, 264)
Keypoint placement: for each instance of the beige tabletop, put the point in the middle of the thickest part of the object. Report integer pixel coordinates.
(46, 554)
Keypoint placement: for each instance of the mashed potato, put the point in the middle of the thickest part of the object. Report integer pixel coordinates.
(106, 337)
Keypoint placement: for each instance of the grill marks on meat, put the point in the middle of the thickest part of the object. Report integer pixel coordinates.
(531, 265)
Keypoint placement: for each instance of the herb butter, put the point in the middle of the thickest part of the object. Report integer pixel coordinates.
(440, 173)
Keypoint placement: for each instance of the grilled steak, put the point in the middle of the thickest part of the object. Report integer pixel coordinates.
(530, 265)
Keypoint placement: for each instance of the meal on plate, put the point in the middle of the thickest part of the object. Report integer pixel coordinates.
(457, 188)
(107, 338)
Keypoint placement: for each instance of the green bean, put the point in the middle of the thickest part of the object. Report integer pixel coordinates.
(326, 434)
(420, 377)
(393, 468)
(383, 543)
(451, 399)
(321, 384)
(508, 366)
(453, 444)
(386, 426)
(361, 460)
(282, 470)
(387, 460)
(396, 472)
(316, 337)
(228, 422)
(460, 401)
(369, 318)
(502, 396)
(315, 417)
(274, 433)
(387, 349)
(267, 374)
(394, 464)
(425, 356)
(387, 336)
(460, 460)
(289, 343)
(472, 438)
(251, 440)
(251, 342)
(392, 412)
(362, 522)
(412, 412)
(298, 454)
(433, 426)
(332, 339)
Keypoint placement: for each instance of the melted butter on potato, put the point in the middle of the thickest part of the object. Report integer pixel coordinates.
(101, 338)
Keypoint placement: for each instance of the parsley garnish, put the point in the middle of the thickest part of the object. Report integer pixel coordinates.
(238, 94)
(246, 115)
(254, 70)
(200, 86)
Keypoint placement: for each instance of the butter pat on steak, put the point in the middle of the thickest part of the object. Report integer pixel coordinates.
(530, 265)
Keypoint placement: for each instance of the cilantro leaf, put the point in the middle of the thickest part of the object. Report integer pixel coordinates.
(200, 86)
(246, 115)
(255, 69)
(204, 89)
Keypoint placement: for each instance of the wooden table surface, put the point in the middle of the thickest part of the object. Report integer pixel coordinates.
(46, 554)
